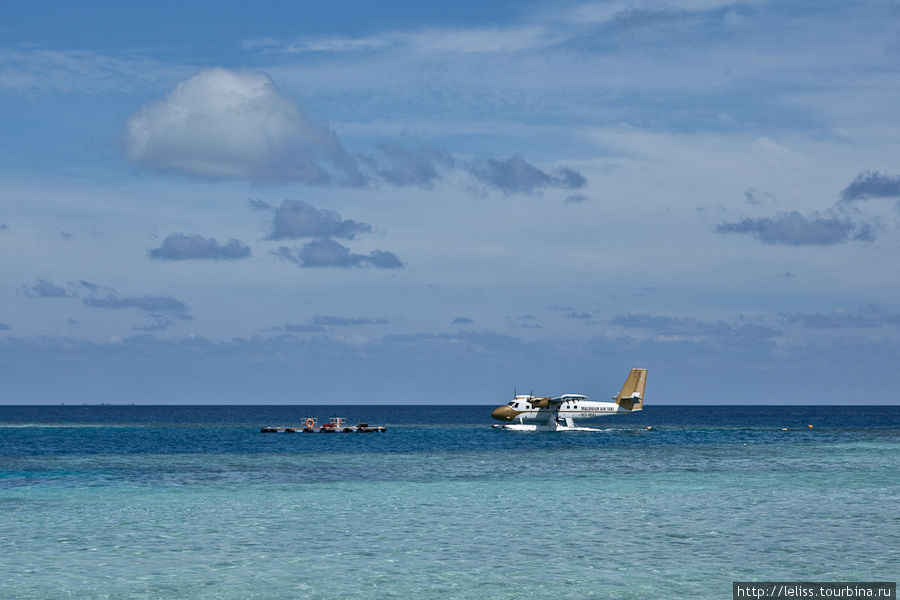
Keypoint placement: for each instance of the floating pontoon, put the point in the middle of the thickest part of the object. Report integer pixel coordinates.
(336, 425)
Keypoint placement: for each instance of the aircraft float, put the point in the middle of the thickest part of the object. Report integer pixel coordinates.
(559, 414)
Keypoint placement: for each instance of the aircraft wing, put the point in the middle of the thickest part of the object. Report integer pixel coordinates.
(547, 402)
(548, 408)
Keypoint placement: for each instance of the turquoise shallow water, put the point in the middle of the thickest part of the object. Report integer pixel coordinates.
(160, 502)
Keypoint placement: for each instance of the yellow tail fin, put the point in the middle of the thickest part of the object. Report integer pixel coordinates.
(632, 395)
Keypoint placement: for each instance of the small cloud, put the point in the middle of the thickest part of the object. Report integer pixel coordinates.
(224, 124)
(578, 315)
(319, 44)
(797, 230)
(44, 288)
(524, 321)
(296, 328)
(756, 197)
(675, 326)
(65, 235)
(868, 315)
(296, 219)
(157, 323)
(154, 304)
(318, 323)
(786, 275)
(93, 288)
(328, 320)
(4, 227)
(329, 253)
(180, 246)
(872, 184)
(571, 313)
(576, 199)
(406, 167)
(569, 179)
(864, 233)
(643, 17)
(462, 321)
(514, 175)
(558, 308)
(4, 327)
(383, 259)
(257, 204)
(72, 321)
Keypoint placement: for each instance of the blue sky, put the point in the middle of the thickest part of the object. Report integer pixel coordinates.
(404, 203)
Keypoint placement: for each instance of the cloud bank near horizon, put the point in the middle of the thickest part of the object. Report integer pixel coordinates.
(199, 370)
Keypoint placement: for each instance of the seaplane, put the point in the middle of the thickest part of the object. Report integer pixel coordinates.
(559, 414)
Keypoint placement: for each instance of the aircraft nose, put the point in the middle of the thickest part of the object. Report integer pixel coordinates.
(503, 413)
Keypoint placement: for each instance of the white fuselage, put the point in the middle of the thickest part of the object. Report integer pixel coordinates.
(583, 410)
(572, 407)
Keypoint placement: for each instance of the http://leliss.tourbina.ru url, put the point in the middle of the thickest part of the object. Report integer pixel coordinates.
(814, 590)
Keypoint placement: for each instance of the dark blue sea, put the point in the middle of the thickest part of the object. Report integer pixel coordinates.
(132, 502)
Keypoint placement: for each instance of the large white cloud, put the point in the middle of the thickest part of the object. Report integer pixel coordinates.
(226, 124)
